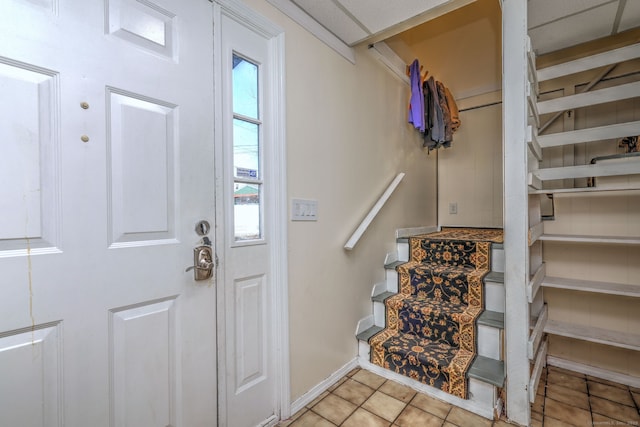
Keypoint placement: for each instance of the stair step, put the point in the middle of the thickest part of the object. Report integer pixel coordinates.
(601, 96)
(393, 265)
(368, 333)
(491, 318)
(601, 133)
(629, 167)
(495, 277)
(488, 370)
(383, 296)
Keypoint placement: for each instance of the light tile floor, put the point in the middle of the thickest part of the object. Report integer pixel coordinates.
(363, 399)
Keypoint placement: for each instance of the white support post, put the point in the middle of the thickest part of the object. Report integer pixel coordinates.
(516, 227)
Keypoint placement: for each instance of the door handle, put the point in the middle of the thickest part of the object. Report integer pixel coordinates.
(202, 263)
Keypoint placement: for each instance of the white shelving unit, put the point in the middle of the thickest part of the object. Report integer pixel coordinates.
(540, 147)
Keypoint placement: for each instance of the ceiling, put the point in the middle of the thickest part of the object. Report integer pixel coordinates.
(557, 24)
(553, 24)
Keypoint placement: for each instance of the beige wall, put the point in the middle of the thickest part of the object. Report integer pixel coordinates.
(347, 138)
(470, 172)
(463, 50)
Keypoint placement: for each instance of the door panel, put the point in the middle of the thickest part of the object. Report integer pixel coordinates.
(32, 358)
(143, 373)
(106, 165)
(141, 132)
(249, 354)
(29, 206)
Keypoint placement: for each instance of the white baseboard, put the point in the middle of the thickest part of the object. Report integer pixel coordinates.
(482, 404)
(413, 231)
(320, 388)
(604, 374)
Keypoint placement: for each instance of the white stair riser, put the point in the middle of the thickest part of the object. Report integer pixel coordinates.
(378, 314)
(392, 280)
(482, 394)
(403, 251)
(364, 350)
(497, 260)
(494, 297)
(490, 342)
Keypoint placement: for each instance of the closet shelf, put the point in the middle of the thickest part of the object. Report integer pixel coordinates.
(592, 334)
(573, 238)
(615, 56)
(592, 286)
(599, 133)
(601, 96)
(627, 167)
(586, 190)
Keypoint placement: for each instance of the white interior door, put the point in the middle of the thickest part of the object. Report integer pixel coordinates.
(251, 283)
(106, 166)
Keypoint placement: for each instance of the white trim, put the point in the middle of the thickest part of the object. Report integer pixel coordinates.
(535, 232)
(383, 53)
(538, 332)
(277, 174)
(323, 386)
(537, 370)
(516, 207)
(535, 282)
(311, 25)
(532, 140)
(593, 371)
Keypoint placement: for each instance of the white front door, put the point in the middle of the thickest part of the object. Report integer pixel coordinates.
(249, 126)
(106, 166)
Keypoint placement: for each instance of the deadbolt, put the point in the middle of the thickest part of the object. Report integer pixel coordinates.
(203, 227)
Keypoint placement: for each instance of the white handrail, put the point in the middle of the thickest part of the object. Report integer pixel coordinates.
(373, 212)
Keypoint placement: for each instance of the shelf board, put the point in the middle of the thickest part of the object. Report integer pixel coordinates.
(614, 56)
(592, 334)
(592, 286)
(601, 96)
(572, 238)
(627, 166)
(581, 190)
(600, 133)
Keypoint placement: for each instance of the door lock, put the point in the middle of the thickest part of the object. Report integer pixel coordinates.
(202, 263)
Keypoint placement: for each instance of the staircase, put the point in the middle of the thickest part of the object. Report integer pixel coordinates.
(485, 376)
(585, 258)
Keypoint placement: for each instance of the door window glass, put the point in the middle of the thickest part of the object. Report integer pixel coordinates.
(247, 175)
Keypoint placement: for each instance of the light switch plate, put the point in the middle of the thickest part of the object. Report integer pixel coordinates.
(304, 210)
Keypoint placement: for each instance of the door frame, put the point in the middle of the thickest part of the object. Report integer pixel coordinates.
(276, 217)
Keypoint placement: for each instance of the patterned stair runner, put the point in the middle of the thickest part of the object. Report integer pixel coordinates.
(430, 333)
